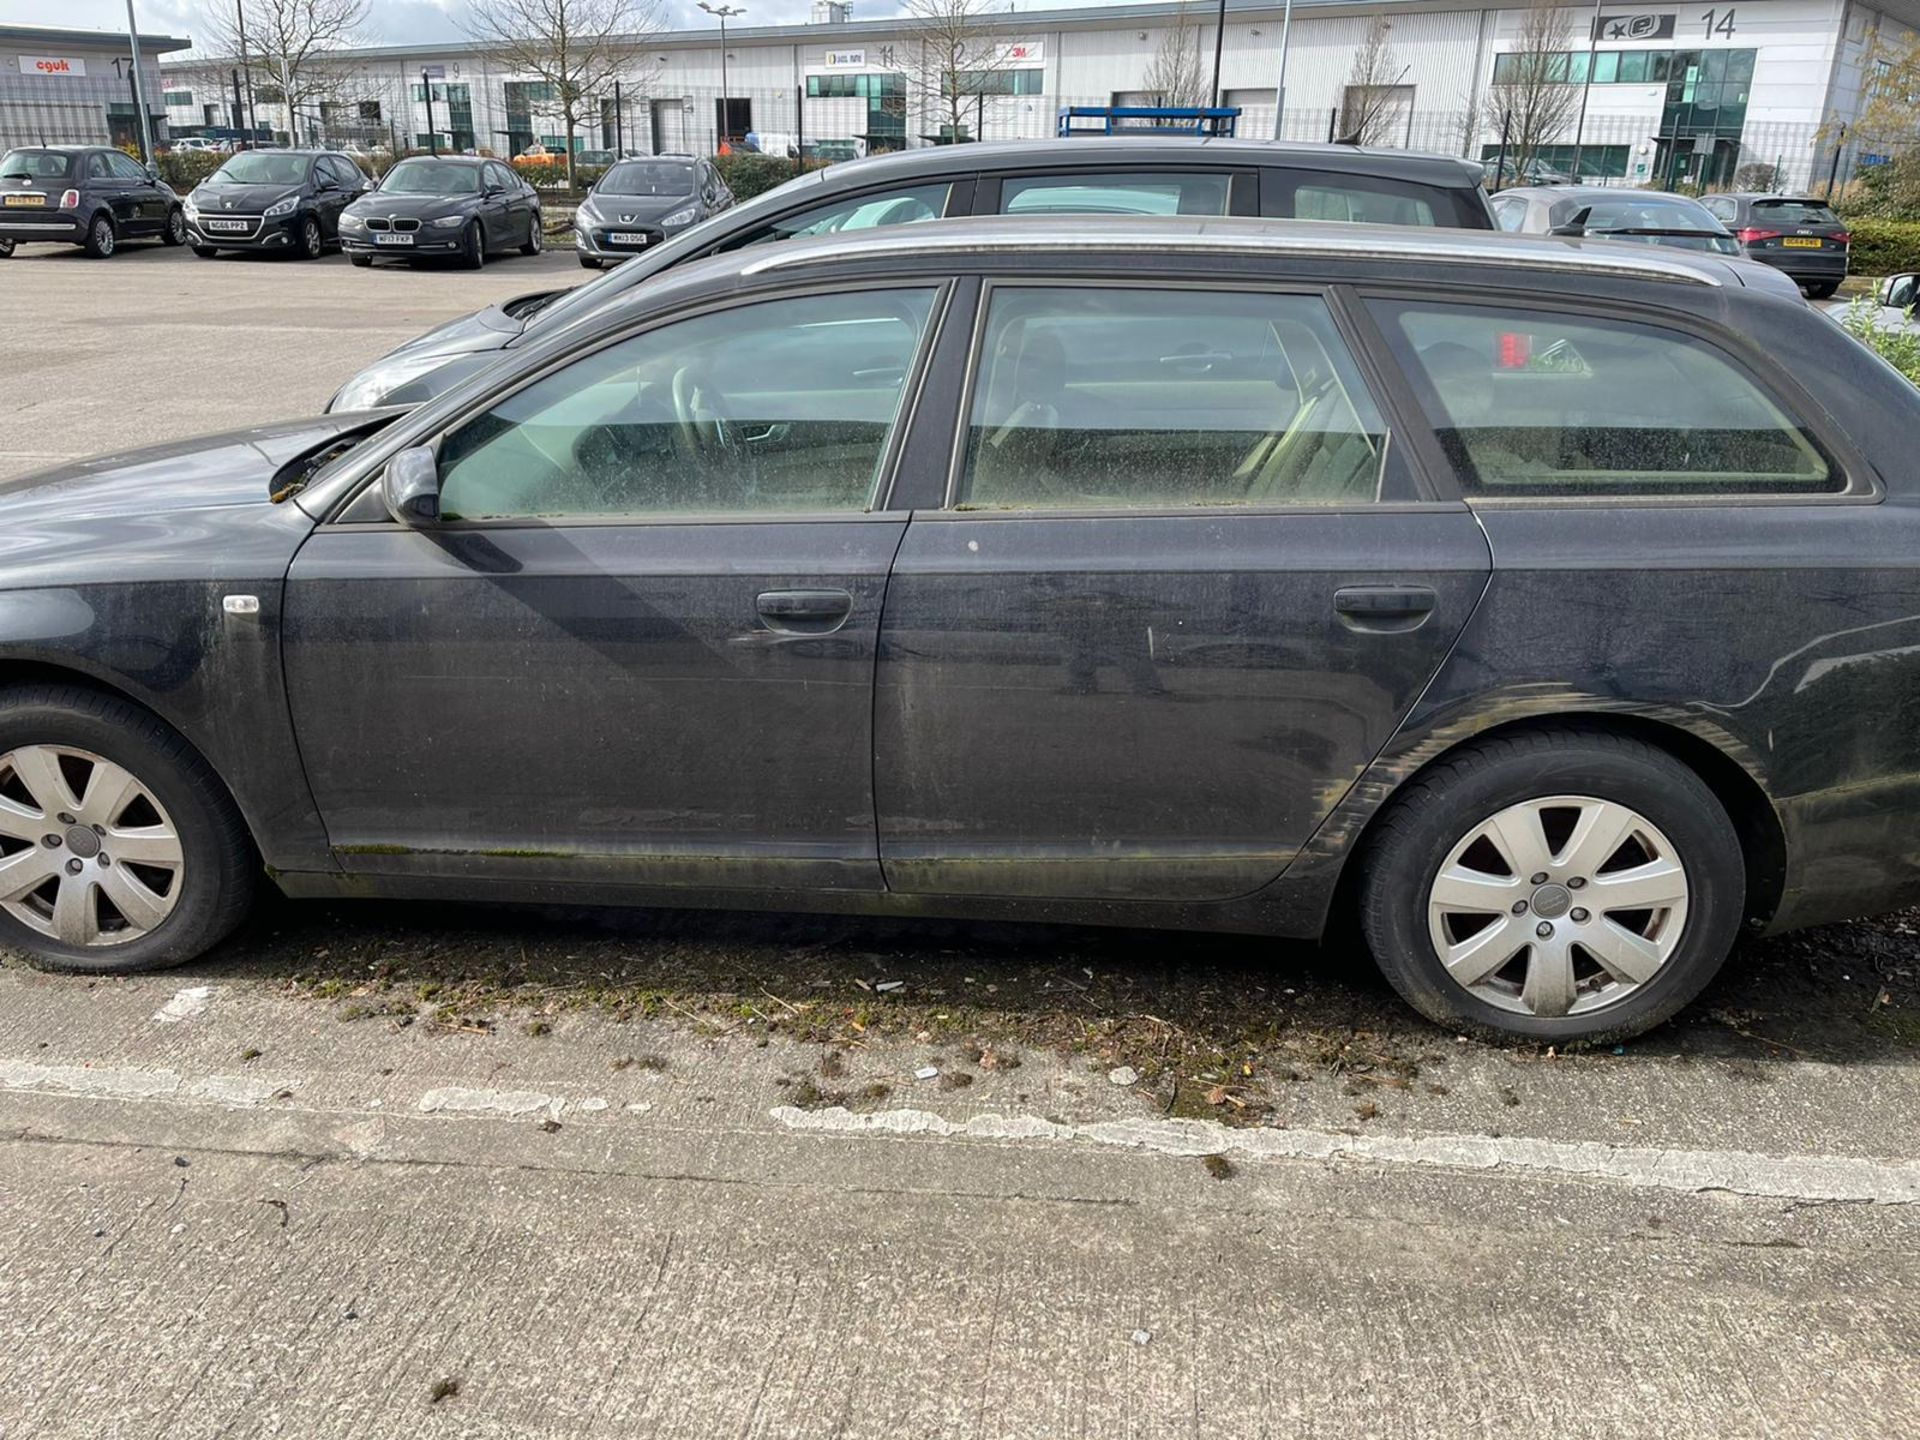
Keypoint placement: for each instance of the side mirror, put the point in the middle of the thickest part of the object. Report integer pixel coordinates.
(1568, 230)
(1898, 291)
(411, 487)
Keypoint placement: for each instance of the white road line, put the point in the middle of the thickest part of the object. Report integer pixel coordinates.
(1803, 1177)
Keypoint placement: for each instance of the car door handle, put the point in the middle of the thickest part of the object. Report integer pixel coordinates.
(1367, 602)
(803, 609)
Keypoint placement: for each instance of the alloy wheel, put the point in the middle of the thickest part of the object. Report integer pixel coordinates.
(310, 242)
(1558, 906)
(88, 855)
(103, 236)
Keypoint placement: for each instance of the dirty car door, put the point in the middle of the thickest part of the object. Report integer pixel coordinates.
(1180, 597)
(638, 650)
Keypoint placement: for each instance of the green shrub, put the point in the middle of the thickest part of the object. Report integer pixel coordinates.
(1882, 247)
(184, 169)
(1899, 348)
(748, 174)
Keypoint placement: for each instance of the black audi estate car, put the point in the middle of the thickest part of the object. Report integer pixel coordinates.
(443, 206)
(1799, 235)
(92, 196)
(286, 202)
(1147, 175)
(1519, 598)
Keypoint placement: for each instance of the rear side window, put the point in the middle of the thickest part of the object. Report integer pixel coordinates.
(1793, 212)
(1367, 200)
(1090, 398)
(34, 165)
(1533, 403)
(1116, 194)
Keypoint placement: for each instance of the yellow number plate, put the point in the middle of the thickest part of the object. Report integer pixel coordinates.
(1795, 242)
(26, 199)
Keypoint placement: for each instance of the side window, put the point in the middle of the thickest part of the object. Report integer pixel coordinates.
(1531, 402)
(784, 406)
(856, 212)
(1510, 212)
(1719, 207)
(1093, 398)
(501, 176)
(1115, 194)
(1303, 195)
(126, 167)
(97, 167)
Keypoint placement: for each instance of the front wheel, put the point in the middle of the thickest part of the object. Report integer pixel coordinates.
(361, 261)
(206, 252)
(587, 262)
(119, 849)
(536, 236)
(1553, 886)
(473, 254)
(176, 231)
(311, 241)
(101, 237)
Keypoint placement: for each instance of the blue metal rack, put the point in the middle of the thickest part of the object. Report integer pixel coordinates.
(1148, 119)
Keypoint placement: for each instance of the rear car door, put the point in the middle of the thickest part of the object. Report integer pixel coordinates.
(638, 650)
(1180, 589)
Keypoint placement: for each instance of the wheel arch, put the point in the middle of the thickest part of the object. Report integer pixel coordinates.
(1763, 842)
(18, 673)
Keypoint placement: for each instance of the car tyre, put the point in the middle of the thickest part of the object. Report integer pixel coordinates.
(176, 232)
(362, 261)
(536, 238)
(206, 252)
(473, 254)
(1403, 913)
(1823, 291)
(101, 236)
(218, 866)
(312, 243)
(587, 262)
(6, 249)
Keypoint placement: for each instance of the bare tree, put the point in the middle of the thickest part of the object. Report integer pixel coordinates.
(1175, 73)
(575, 48)
(1531, 98)
(287, 44)
(1373, 88)
(953, 61)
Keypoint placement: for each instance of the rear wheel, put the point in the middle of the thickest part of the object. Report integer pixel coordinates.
(1553, 886)
(101, 237)
(6, 249)
(119, 849)
(176, 231)
(1822, 291)
(311, 241)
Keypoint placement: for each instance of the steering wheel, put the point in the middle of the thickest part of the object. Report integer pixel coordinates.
(699, 415)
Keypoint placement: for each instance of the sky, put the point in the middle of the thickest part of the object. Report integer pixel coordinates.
(407, 22)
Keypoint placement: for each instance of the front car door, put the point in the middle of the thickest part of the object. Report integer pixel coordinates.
(146, 201)
(639, 649)
(1181, 590)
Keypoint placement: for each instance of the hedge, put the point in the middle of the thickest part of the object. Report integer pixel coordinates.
(749, 173)
(1882, 247)
(184, 169)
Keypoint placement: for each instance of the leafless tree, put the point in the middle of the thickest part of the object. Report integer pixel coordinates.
(1373, 87)
(287, 45)
(953, 60)
(1175, 73)
(575, 48)
(1535, 101)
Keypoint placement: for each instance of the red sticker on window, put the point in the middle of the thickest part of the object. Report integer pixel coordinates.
(1516, 350)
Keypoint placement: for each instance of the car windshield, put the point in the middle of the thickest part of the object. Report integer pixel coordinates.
(35, 165)
(1793, 212)
(1650, 214)
(647, 177)
(431, 177)
(624, 276)
(261, 167)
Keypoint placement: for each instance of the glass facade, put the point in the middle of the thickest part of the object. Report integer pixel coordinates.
(886, 97)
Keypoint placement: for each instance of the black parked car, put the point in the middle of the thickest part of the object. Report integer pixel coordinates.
(447, 205)
(1151, 175)
(1601, 212)
(92, 196)
(1795, 234)
(1527, 599)
(287, 201)
(640, 203)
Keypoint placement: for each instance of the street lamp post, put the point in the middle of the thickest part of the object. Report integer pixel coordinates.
(1280, 88)
(139, 90)
(723, 13)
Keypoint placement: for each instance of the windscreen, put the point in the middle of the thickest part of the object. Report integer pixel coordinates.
(261, 167)
(431, 177)
(647, 177)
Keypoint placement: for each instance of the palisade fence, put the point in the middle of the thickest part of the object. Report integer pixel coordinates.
(390, 116)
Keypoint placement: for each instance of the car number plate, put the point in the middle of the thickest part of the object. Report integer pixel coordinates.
(1795, 242)
(228, 224)
(26, 200)
(392, 237)
(623, 237)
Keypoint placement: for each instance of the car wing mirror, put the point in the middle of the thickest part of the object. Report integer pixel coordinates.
(1898, 291)
(411, 487)
(1568, 229)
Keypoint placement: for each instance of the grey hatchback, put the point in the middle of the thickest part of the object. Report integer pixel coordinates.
(1517, 597)
(92, 196)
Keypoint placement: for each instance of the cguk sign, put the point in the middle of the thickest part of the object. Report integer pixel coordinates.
(51, 65)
